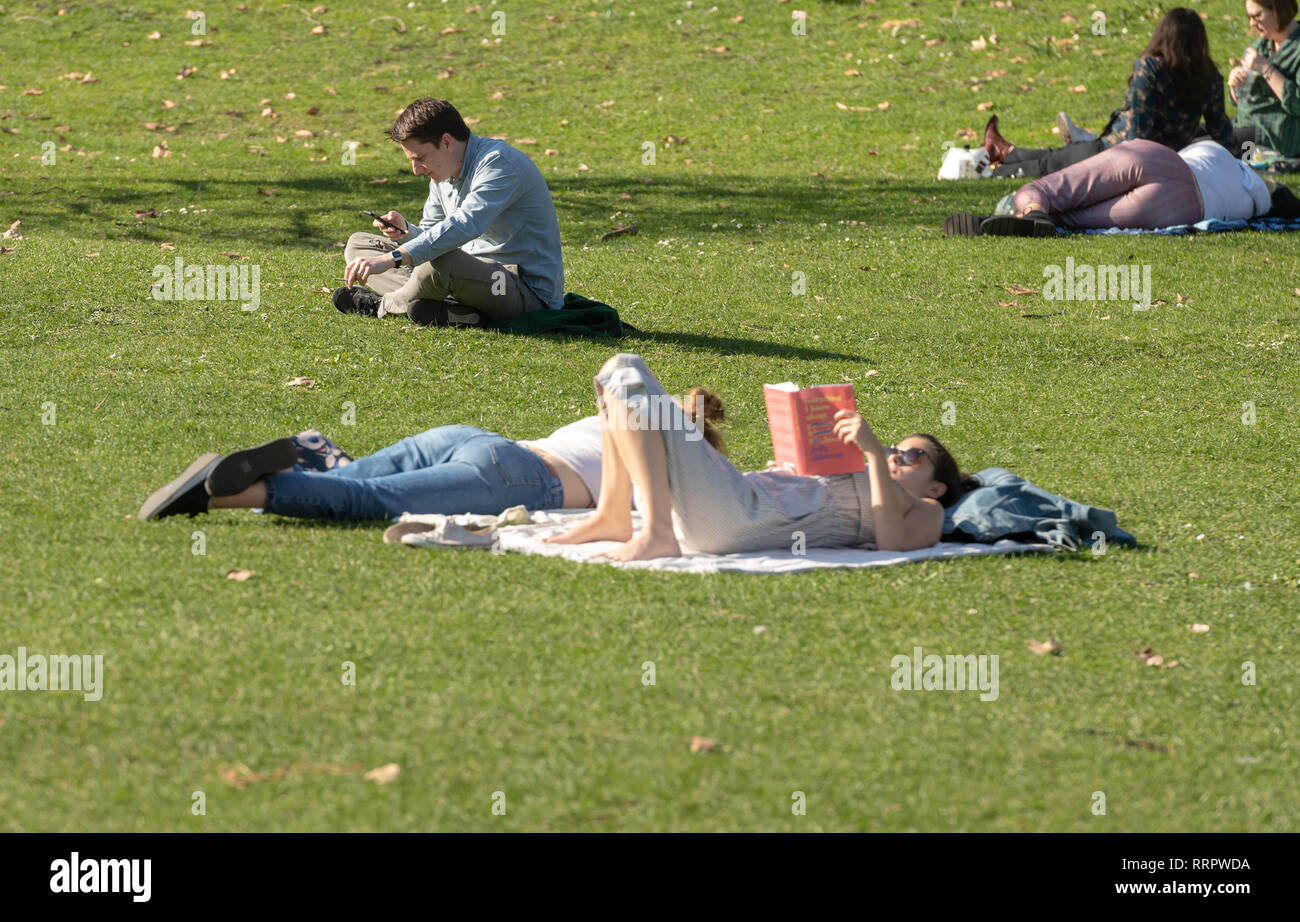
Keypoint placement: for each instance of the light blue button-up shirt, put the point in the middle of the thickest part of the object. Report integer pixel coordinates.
(497, 207)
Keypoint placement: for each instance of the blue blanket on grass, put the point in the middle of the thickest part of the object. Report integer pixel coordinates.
(1007, 505)
(1200, 227)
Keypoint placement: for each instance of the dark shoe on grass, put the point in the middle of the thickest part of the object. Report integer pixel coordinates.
(1009, 226)
(238, 471)
(356, 301)
(183, 496)
(429, 313)
(962, 225)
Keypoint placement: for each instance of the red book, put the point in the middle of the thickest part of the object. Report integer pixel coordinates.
(802, 421)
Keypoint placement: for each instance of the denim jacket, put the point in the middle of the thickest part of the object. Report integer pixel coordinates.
(1010, 505)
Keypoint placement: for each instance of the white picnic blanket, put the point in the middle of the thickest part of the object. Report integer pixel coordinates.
(493, 532)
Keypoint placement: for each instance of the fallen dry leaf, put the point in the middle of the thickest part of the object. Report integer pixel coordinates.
(161, 150)
(1198, 628)
(240, 575)
(984, 107)
(1078, 88)
(845, 108)
(5, 251)
(450, 30)
(702, 744)
(619, 231)
(12, 233)
(551, 152)
(318, 30)
(300, 382)
(1019, 289)
(185, 72)
(583, 168)
(168, 104)
(154, 36)
(148, 213)
(166, 246)
(383, 774)
(1151, 658)
(1050, 645)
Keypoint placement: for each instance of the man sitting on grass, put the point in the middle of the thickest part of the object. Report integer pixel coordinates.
(487, 248)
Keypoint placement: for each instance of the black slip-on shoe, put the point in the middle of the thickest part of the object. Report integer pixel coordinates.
(356, 301)
(183, 496)
(962, 225)
(239, 470)
(1001, 225)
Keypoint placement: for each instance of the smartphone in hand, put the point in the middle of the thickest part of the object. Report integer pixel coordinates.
(384, 221)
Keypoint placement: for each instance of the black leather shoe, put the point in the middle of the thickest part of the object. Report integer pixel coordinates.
(356, 301)
(183, 496)
(962, 225)
(1002, 225)
(238, 471)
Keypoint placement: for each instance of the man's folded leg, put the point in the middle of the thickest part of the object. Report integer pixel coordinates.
(458, 287)
(362, 244)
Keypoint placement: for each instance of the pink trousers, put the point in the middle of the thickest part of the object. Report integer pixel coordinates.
(1133, 184)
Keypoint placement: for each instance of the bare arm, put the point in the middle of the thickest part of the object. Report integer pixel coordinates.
(903, 522)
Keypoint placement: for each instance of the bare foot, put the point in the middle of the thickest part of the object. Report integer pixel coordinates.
(594, 528)
(646, 547)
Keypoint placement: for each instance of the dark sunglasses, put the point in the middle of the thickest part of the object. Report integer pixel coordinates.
(909, 457)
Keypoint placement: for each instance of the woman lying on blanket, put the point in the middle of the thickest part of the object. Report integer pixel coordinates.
(1137, 184)
(1174, 85)
(897, 504)
(447, 470)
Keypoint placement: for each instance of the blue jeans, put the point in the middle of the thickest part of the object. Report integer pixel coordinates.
(448, 470)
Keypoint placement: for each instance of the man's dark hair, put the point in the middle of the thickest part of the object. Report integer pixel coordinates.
(428, 120)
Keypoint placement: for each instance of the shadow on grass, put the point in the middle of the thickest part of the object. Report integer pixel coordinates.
(700, 342)
(662, 204)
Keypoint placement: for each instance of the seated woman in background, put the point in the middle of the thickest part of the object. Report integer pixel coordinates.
(1173, 87)
(1138, 184)
(1264, 86)
(447, 470)
(896, 504)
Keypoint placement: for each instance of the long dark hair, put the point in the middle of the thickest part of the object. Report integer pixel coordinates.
(1182, 46)
(947, 472)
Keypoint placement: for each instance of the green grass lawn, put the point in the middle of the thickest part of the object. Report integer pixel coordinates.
(478, 673)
